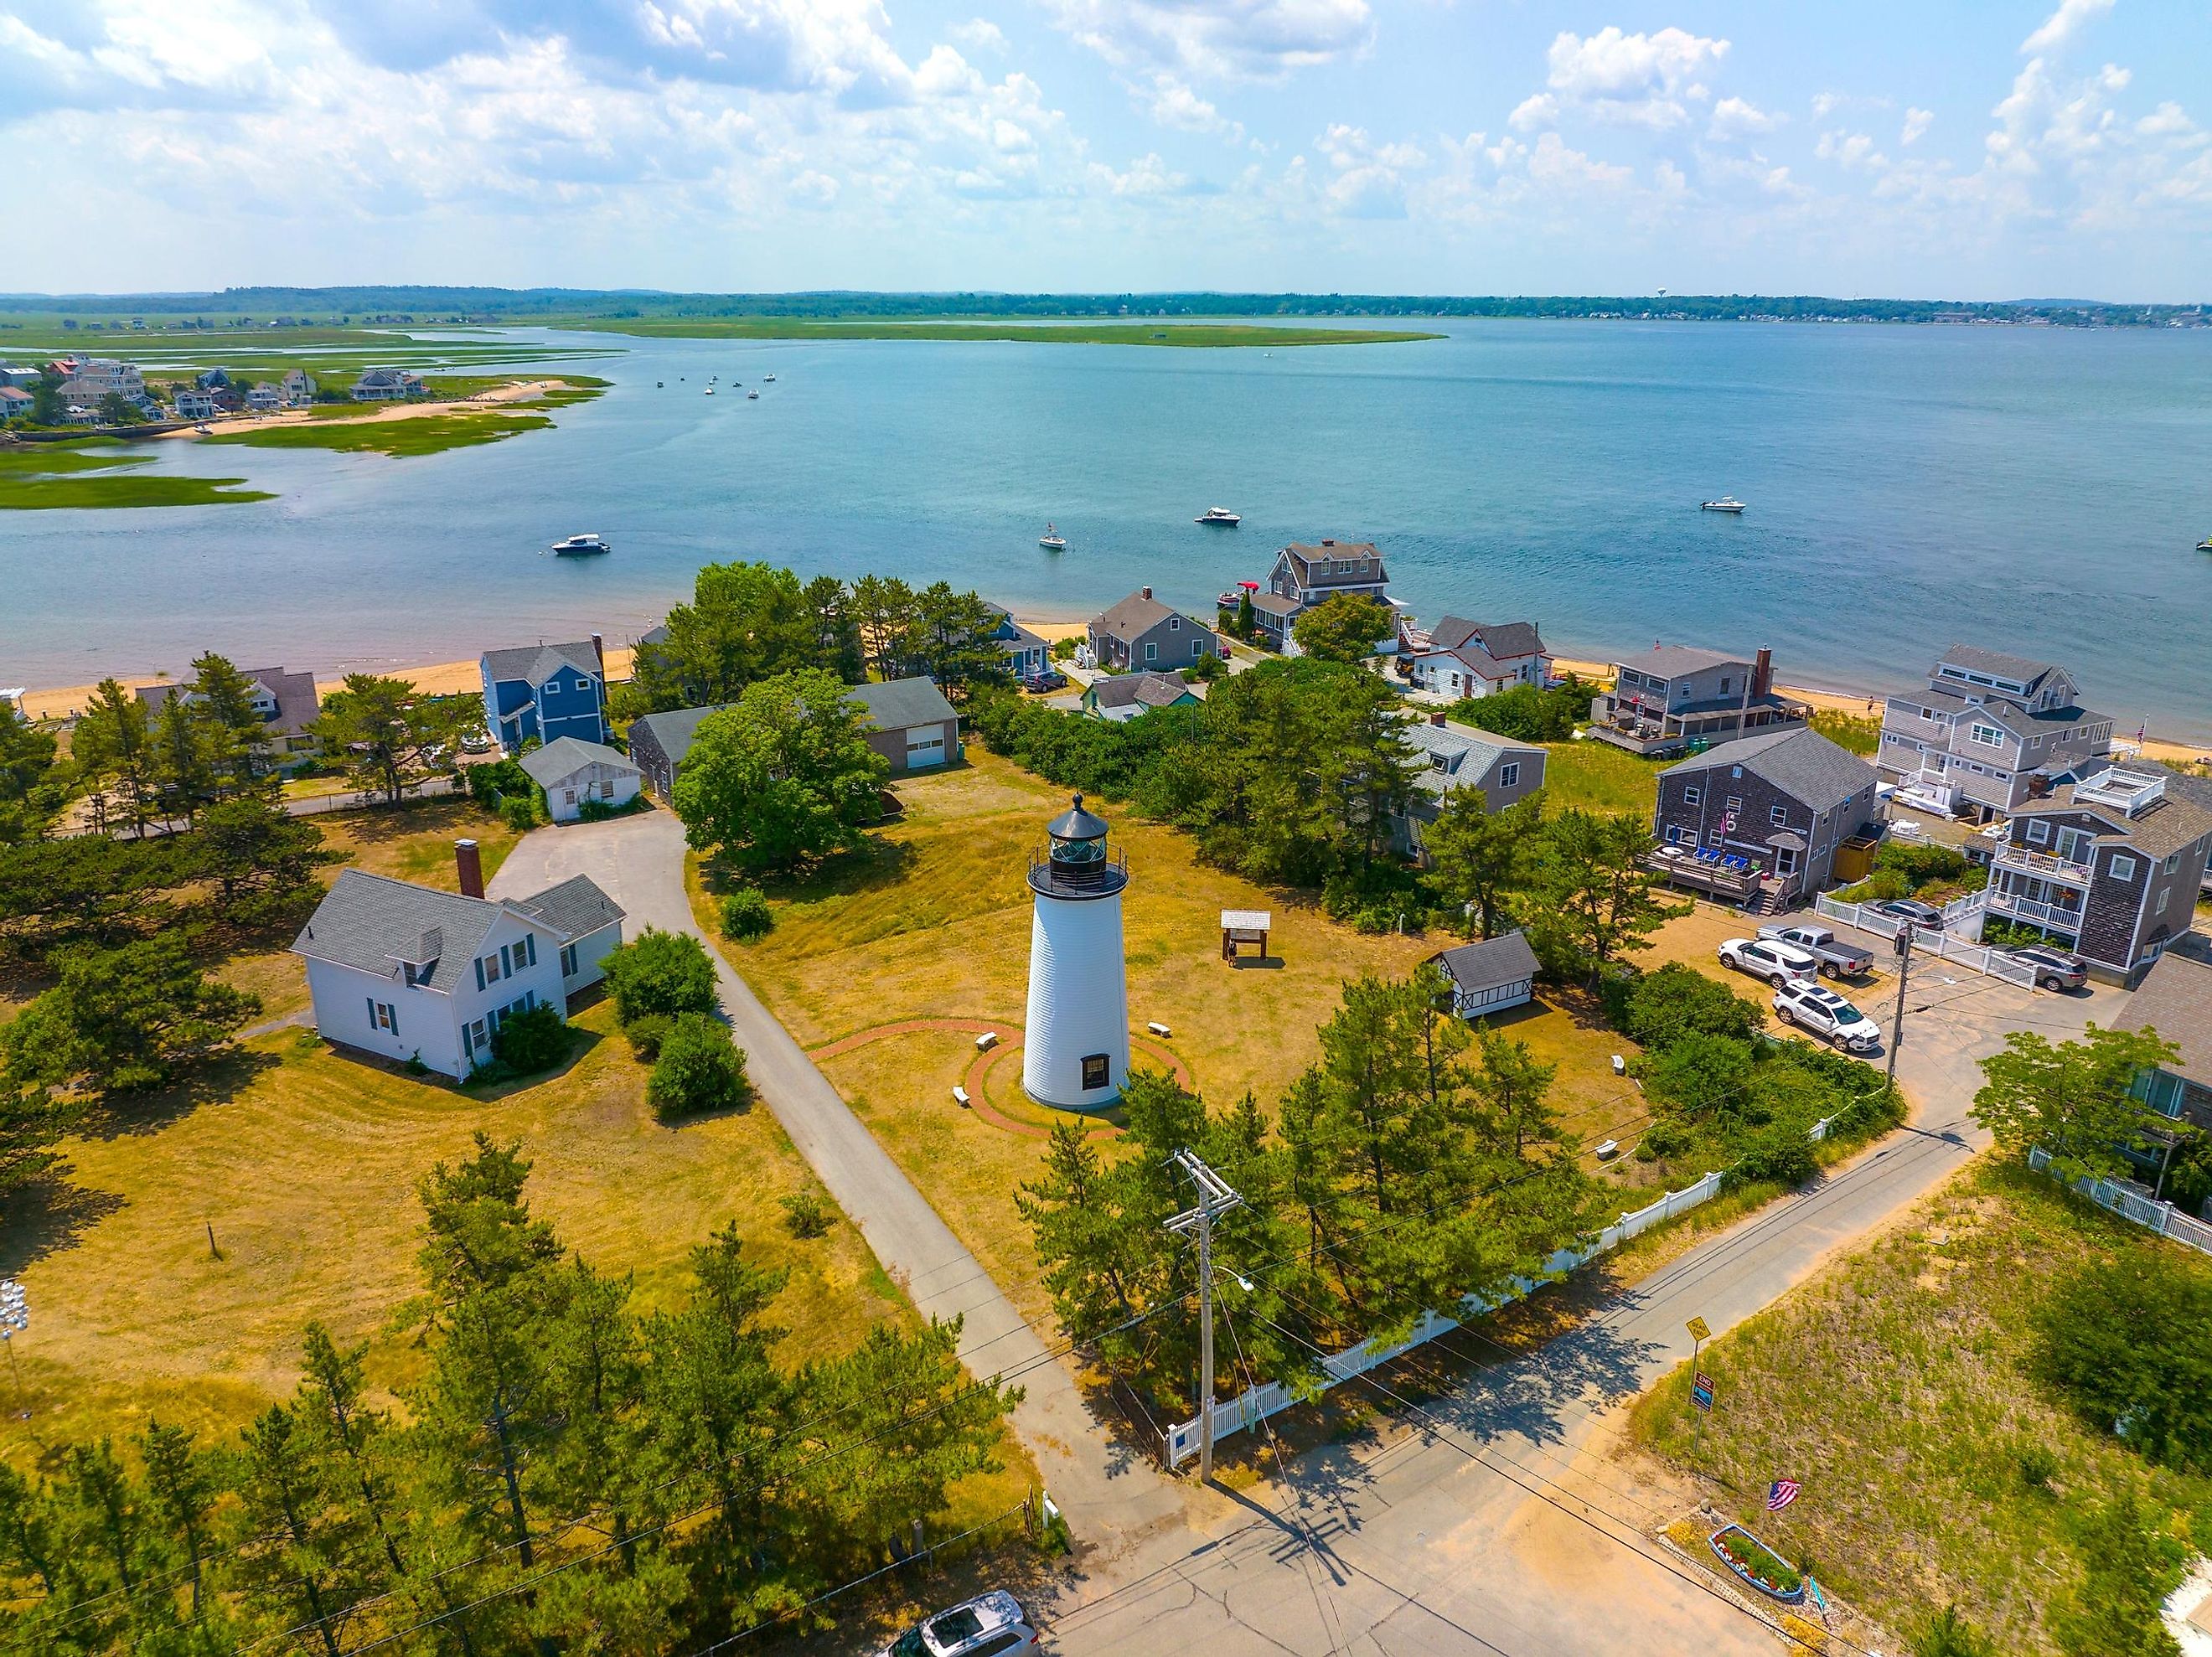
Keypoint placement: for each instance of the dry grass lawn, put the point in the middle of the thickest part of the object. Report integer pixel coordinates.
(935, 923)
(304, 1162)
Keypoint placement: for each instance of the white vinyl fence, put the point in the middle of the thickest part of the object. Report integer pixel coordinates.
(1255, 1404)
(2162, 1217)
(1945, 946)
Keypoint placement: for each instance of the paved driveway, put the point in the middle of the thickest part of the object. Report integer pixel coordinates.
(639, 862)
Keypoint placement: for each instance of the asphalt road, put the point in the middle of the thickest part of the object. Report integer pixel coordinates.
(638, 861)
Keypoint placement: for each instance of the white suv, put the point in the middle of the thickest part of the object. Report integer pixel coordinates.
(1824, 1013)
(1763, 957)
(982, 1627)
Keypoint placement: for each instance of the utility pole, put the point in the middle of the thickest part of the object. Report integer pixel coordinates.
(1904, 972)
(1214, 1197)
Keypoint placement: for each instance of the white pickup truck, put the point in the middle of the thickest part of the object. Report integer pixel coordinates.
(1837, 958)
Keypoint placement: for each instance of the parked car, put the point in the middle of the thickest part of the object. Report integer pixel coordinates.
(1820, 1010)
(1050, 679)
(1837, 958)
(1925, 916)
(1778, 963)
(2055, 969)
(982, 1627)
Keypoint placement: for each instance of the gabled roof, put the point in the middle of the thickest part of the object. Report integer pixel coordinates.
(673, 732)
(898, 704)
(1498, 640)
(1672, 661)
(297, 703)
(1303, 558)
(372, 922)
(1800, 761)
(1458, 755)
(1139, 689)
(564, 757)
(1138, 613)
(1491, 964)
(1995, 663)
(535, 663)
(2158, 831)
(576, 907)
(2176, 1001)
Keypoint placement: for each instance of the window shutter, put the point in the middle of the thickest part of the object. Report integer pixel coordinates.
(394, 1014)
(480, 977)
(530, 947)
(372, 1010)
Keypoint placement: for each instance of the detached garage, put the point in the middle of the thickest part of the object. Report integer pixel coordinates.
(913, 727)
(1490, 977)
(572, 771)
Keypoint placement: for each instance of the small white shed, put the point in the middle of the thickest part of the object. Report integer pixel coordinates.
(1490, 977)
(572, 771)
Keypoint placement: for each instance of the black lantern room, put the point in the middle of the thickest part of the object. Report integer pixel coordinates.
(1076, 862)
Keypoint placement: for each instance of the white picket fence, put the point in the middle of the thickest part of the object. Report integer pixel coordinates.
(2162, 1217)
(1946, 945)
(1255, 1404)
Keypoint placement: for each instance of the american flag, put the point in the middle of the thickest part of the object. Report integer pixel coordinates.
(1781, 1493)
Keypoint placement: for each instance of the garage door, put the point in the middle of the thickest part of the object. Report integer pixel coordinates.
(925, 747)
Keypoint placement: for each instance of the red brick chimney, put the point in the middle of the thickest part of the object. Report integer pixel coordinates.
(1762, 672)
(1436, 718)
(470, 866)
(599, 650)
(1148, 593)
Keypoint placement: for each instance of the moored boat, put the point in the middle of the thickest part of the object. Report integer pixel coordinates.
(1220, 515)
(581, 546)
(1052, 540)
(1726, 503)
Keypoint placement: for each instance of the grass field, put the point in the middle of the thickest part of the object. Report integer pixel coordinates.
(1217, 335)
(304, 1162)
(1599, 777)
(1892, 1386)
(423, 434)
(42, 475)
(935, 923)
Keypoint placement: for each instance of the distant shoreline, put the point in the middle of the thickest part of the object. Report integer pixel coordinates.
(449, 678)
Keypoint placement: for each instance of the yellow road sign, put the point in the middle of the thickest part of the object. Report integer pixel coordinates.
(1700, 1329)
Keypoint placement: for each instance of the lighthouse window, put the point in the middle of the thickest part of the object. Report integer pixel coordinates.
(1094, 1070)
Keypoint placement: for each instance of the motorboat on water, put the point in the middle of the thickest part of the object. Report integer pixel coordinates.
(1726, 503)
(752, 397)
(710, 391)
(2205, 545)
(767, 379)
(1052, 540)
(581, 546)
(1220, 515)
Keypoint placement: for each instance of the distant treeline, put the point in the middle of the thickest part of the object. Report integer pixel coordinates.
(522, 304)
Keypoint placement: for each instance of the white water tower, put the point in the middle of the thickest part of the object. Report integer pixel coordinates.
(1075, 1052)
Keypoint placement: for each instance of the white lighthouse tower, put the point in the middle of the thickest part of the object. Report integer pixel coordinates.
(1075, 1053)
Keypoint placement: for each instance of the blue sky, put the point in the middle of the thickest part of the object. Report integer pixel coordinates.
(1959, 149)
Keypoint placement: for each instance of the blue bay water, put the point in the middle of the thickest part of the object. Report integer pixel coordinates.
(2034, 490)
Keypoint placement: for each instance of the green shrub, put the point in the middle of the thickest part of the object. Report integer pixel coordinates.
(658, 971)
(2128, 1341)
(1701, 1075)
(1063, 650)
(519, 812)
(746, 914)
(531, 1041)
(1528, 713)
(2038, 1465)
(1206, 670)
(700, 1070)
(1782, 1153)
(806, 1215)
(1946, 1634)
(646, 1034)
(1658, 1008)
(488, 784)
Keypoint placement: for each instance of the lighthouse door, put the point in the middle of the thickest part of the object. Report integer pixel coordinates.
(1095, 1071)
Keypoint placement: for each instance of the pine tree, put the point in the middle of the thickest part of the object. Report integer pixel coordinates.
(305, 1557)
(113, 746)
(1479, 859)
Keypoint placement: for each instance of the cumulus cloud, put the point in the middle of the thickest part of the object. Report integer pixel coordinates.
(1917, 123)
(1537, 109)
(1218, 39)
(1737, 118)
(2063, 24)
(1368, 180)
(1641, 80)
(981, 34)
(1850, 149)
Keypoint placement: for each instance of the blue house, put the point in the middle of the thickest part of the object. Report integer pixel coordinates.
(545, 691)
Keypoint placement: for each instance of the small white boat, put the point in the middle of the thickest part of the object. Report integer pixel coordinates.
(767, 379)
(710, 391)
(581, 546)
(752, 397)
(1219, 515)
(2205, 545)
(1726, 503)
(1052, 540)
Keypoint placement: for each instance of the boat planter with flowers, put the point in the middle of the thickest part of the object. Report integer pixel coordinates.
(1759, 1564)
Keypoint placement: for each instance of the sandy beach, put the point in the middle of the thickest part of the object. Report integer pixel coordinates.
(520, 391)
(448, 679)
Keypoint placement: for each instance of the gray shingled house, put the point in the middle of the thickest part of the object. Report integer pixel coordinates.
(1141, 631)
(1758, 819)
(1452, 756)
